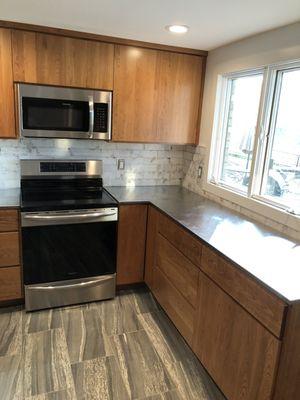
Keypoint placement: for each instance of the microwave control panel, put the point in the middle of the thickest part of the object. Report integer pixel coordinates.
(100, 117)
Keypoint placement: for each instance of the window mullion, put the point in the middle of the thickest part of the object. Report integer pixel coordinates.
(258, 137)
(272, 116)
(264, 130)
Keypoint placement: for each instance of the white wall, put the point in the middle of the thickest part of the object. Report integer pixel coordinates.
(266, 48)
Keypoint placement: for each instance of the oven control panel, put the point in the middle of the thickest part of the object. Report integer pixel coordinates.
(62, 166)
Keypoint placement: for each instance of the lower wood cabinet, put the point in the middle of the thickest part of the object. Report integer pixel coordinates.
(178, 269)
(10, 283)
(176, 306)
(9, 249)
(170, 273)
(153, 216)
(10, 270)
(245, 336)
(131, 244)
(9, 220)
(238, 352)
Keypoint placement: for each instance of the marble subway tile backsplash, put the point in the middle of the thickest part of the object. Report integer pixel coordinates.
(145, 164)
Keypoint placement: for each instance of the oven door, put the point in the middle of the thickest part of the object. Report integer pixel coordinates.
(61, 246)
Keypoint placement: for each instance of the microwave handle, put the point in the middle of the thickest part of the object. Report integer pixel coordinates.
(91, 118)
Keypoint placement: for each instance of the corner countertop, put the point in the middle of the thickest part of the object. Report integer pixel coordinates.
(9, 198)
(265, 254)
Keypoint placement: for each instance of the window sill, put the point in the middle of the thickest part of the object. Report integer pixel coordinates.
(265, 210)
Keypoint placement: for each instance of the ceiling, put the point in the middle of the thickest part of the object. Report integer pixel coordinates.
(212, 22)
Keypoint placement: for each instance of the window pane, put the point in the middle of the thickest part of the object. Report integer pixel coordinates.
(240, 131)
(282, 180)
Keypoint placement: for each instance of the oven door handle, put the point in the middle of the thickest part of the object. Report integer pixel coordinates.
(72, 285)
(69, 216)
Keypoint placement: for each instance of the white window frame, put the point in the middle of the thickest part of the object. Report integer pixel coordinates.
(252, 199)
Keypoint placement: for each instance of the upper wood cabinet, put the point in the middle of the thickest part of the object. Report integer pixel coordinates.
(58, 60)
(7, 111)
(156, 95)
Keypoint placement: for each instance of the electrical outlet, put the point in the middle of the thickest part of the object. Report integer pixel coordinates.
(200, 172)
(121, 164)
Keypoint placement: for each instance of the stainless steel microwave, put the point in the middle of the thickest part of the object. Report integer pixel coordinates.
(56, 112)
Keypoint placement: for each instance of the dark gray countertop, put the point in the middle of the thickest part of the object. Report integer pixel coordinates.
(265, 254)
(9, 198)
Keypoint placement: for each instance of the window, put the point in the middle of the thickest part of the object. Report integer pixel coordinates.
(256, 146)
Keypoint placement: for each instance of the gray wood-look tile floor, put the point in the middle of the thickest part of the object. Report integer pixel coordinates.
(120, 349)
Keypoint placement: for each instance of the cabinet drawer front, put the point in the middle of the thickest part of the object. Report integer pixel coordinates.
(238, 352)
(266, 307)
(182, 240)
(178, 269)
(178, 309)
(10, 283)
(9, 220)
(9, 249)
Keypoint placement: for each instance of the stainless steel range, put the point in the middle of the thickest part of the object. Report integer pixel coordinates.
(69, 233)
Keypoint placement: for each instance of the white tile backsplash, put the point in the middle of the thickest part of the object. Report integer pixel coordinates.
(145, 164)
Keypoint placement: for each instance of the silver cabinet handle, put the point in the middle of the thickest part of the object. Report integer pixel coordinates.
(70, 216)
(71, 286)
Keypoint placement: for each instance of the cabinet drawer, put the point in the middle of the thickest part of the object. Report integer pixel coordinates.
(182, 240)
(10, 283)
(178, 269)
(237, 351)
(9, 220)
(9, 249)
(263, 305)
(176, 306)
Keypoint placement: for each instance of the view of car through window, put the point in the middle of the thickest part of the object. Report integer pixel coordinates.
(282, 181)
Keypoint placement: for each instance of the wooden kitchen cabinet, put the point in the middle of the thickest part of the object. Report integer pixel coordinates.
(156, 95)
(152, 222)
(64, 61)
(9, 220)
(238, 352)
(178, 269)
(131, 244)
(9, 249)
(265, 306)
(10, 284)
(7, 110)
(169, 272)
(10, 270)
(179, 310)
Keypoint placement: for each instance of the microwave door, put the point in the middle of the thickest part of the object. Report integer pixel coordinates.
(55, 117)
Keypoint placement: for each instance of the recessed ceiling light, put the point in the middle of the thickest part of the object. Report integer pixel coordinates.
(177, 28)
